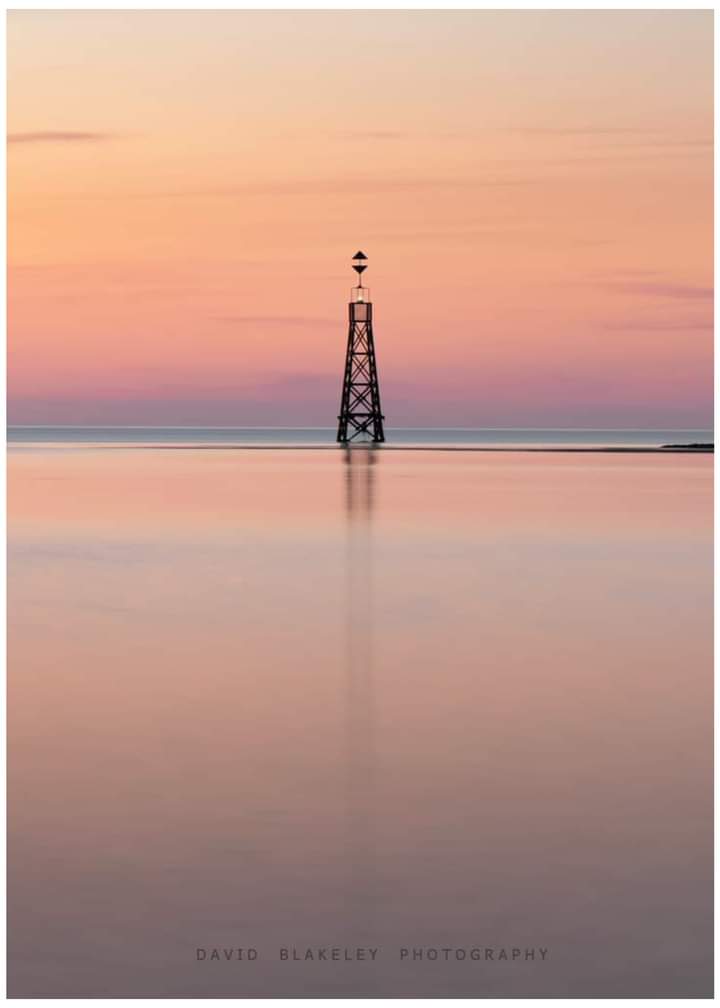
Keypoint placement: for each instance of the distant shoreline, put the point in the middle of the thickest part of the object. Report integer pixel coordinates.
(700, 449)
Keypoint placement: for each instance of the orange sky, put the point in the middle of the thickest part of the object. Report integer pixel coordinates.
(534, 191)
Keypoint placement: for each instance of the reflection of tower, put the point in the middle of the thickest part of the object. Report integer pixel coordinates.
(360, 416)
(362, 895)
(359, 477)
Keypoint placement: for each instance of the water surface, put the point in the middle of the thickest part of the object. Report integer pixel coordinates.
(424, 700)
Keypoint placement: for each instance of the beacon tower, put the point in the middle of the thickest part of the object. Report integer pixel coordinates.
(360, 416)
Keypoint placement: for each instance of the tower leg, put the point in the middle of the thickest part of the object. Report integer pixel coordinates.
(360, 417)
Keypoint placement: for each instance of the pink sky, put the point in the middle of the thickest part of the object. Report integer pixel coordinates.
(534, 191)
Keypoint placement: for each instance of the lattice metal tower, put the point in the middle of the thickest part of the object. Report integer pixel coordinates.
(360, 417)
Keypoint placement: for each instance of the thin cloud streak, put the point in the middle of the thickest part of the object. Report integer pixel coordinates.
(373, 135)
(634, 138)
(676, 291)
(279, 320)
(575, 130)
(321, 188)
(57, 136)
(660, 325)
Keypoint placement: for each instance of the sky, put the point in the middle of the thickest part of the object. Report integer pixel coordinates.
(533, 191)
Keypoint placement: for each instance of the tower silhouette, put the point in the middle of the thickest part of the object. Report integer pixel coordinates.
(360, 416)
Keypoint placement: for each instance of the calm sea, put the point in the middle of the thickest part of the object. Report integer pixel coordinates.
(452, 707)
(496, 437)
